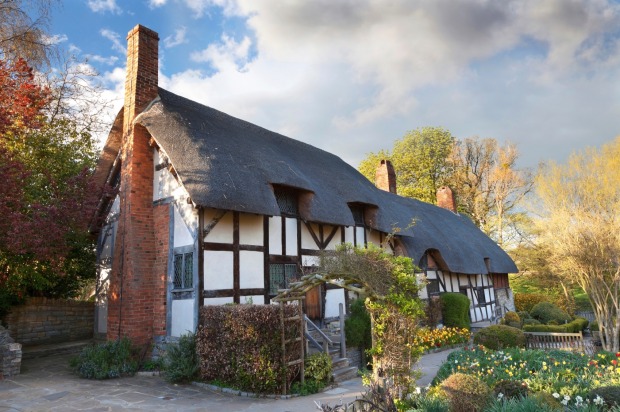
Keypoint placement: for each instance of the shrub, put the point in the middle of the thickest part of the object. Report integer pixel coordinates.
(546, 312)
(510, 389)
(107, 360)
(524, 302)
(432, 311)
(594, 326)
(610, 394)
(524, 315)
(357, 326)
(547, 401)
(530, 322)
(575, 326)
(455, 310)
(318, 367)
(181, 361)
(511, 317)
(499, 337)
(466, 393)
(529, 404)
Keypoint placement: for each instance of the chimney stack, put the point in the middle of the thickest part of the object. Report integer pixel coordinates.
(385, 178)
(445, 199)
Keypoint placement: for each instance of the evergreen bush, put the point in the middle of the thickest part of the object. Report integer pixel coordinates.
(107, 360)
(455, 310)
(511, 318)
(499, 337)
(546, 312)
(181, 361)
(510, 389)
(357, 326)
(318, 367)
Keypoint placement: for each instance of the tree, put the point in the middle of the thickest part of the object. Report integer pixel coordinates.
(489, 186)
(47, 191)
(580, 227)
(22, 36)
(419, 159)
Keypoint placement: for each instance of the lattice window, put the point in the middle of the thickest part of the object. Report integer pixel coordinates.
(358, 215)
(481, 296)
(287, 201)
(280, 276)
(432, 287)
(183, 270)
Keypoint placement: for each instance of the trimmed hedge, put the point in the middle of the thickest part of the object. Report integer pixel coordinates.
(499, 337)
(455, 310)
(575, 326)
(546, 312)
(240, 345)
(524, 302)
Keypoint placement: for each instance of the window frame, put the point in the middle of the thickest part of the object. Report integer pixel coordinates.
(183, 251)
(287, 277)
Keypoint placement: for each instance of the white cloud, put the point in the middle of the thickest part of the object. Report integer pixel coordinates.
(176, 39)
(115, 38)
(102, 6)
(157, 3)
(108, 61)
(225, 55)
(54, 39)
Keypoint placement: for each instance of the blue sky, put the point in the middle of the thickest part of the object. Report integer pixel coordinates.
(351, 76)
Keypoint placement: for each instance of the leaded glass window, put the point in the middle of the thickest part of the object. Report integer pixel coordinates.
(432, 287)
(183, 270)
(280, 276)
(287, 201)
(358, 215)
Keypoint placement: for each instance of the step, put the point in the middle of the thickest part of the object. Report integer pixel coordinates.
(340, 363)
(344, 374)
(40, 351)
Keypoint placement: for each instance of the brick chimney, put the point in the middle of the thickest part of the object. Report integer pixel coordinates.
(137, 295)
(445, 198)
(385, 178)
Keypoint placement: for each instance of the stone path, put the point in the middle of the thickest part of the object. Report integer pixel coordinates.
(47, 384)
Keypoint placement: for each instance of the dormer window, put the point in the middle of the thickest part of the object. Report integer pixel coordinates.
(358, 215)
(287, 200)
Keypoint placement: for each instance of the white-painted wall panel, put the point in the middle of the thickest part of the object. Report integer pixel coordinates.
(291, 236)
(336, 240)
(373, 236)
(223, 230)
(348, 234)
(254, 299)
(333, 298)
(250, 229)
(275, 235)
(182, 235)
(182, 317)
(251, 268)
(309, 260)
(421, 279)
(218, 270)
(164, 184)
(307, 242)
(218, 301)
(359, 233)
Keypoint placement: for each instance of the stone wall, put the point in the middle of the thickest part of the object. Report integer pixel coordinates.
(505, 298)
(42, 321)
(355, 357)
(10, 355)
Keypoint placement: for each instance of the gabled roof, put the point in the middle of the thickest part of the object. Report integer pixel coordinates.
(227, 163)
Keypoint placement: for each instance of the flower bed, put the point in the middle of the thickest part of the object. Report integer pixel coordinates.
(432, 340)
(564, 375)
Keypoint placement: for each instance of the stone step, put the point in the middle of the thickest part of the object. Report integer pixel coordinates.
(344, 374)
(339, 363)
(40, 351)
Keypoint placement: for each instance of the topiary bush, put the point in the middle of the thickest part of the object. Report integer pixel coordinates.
(575, 326)
(524, 302)
(524, 315)
(466, 393)
(181, 361)
(455, 310)
(546, 312)
(530, 322)
(610, 395)
(107, 360)
(499, 337)
(511, 318)
(510, 389)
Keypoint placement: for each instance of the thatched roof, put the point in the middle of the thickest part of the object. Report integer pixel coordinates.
(227, 163)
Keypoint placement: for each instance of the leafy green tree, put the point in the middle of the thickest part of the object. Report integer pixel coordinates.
(580, 229)
(420, 162)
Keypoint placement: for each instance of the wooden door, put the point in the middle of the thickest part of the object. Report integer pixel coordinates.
(314, 302)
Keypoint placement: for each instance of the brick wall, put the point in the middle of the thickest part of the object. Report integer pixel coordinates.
(41, 321)
(137, 294)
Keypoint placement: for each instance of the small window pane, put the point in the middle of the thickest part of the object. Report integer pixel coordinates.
(287, 201)
(358, 215)
(276, 278)
(188, 280)
(178, 271)
(432, 287)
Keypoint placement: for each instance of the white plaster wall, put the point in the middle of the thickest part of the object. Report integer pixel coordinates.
(336, 240)
(359, 233)
(275, 235)
(291, 236)
(348, 234)
(218, 301)
(250, 229)
(182, 317)
(223, 230)
(307, 242)
(251, 268)
(101, 305)
(218, 270)
(182, 235)
(421, 280)
(256, 299)
(309, 260)
(333, 298)
(373, 236)
(164, 184)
